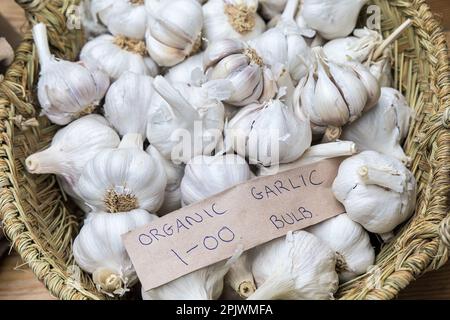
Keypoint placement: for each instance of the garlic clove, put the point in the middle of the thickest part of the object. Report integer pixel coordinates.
(189, 71)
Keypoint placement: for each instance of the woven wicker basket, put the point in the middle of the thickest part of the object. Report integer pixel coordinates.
(39, 221)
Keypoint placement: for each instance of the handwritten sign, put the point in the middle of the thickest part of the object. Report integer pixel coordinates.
(247, 215)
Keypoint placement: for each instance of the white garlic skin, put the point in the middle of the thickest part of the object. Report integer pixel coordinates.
(173, 31)
(217, 25)
(384, 127)
(72, 147)
(377, 191)
(189, 71)
(122, 17)
(350, 241)
(203, 284)
(98, 248)
(296, 267)
(66, 89)
(91, 25)
(182, 129)
(128, 102)
(174, 173)
(125, 171)
(332, 18)
(206, 176)
(103, 52)
(272, 8)
(257, 129)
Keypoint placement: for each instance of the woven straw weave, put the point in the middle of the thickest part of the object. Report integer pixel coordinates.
(41, 225)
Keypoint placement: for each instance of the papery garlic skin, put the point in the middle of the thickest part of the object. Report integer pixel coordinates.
(122, 17)
(98, 249)
(174, 173)
(233, 65)
(206, 176)
(334, 94)
(296, 267)
(123, 179)
(350, 241)
(268, 134)
(232, 19)
(72, 147)
(174, 31)
(332, 18)
(189, 71)
(182, 129)
(128, 102)
(384, 127)
(377, 191)
(92, 27)
(117, 55)
(203, 284)
(66, 90)
(272, 8)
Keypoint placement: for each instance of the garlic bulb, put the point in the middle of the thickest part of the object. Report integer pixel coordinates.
(122, 17)
(296, 267)
(203, 284)
(123, 179)
(240, 277)
(189, 71)
(91, 25)
(128, 102)
(72, 147)
(287, 46)
(232, 63)
(332, 18)
(98, 249)
(268, 134)
(378, 191)
(384, 127)
(174, 31)
(180, 129)
(232, 19)
(313, 155)
(334, 94)
(116, 55)
(351, 243)
(66, 90)
(174, 173)
(206, 176)
(272, 8)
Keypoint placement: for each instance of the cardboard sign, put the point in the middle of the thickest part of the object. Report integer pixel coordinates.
(245, 216)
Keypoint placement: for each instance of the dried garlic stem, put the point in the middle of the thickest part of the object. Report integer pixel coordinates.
(240, 278)
(385, 178)
(241, 17)
(41, 42)
(132, 140)
(332, 134)
(131, 45)
(290, 10)
(108, 282)
(394, 36)
(45, 162)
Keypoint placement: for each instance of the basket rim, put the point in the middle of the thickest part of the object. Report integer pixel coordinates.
(15, 96)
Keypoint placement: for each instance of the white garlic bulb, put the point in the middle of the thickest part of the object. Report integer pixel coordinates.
(91, 25)
(180, 129)
(98, 249)
(66, 90)
(377, 191)
(174, 31)
(334, 94)
(123, 179)
(272, 8)
(72, 147)
(234, 64)
(116, 55)
(296, 267)
(122, 17)
(203, 284)
(268, 134)
(232, 19)
(206, 176)
(384, 127)
(313, 155)
(128, 102)
(174, 173)
(189, 71)
(355, 254)
(287, 46)
(332, 18)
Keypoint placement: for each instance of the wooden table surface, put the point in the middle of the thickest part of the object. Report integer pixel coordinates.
(18, 282)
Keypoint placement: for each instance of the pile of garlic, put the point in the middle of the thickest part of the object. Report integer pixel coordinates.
(174, 101)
